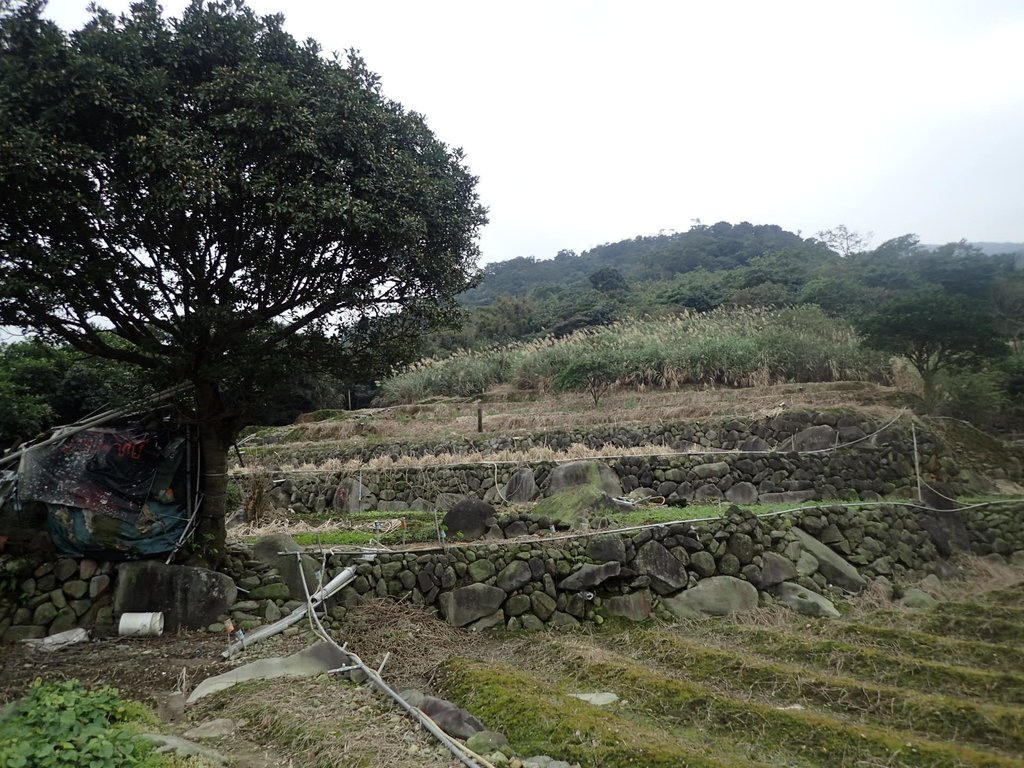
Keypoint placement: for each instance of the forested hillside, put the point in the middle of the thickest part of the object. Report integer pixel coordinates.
(731, 265)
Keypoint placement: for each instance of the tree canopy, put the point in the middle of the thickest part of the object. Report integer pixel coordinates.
(213, 201)
(935, 331)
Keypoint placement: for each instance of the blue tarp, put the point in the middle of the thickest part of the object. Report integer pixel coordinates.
(116, 494)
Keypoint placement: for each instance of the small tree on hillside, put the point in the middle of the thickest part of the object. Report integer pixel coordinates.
(214, 202)
(935, 332)
(595, 373)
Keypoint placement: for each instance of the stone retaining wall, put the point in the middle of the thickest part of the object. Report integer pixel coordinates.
(865, 473)
(731, 434)
(562, 582)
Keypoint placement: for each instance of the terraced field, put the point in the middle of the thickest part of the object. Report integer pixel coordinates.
(884, 687)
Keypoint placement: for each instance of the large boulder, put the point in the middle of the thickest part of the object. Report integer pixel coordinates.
(468, 520)
(590, 575)
(190, 598)
(947, 529)
(350, 496)
(804, 601)
(666, 573)
(587, 473)
(276, 551)
(716, 596)
(578, 507)
(449, 718)
(833, 567)
(742, 493)
(776, 569)
(636, 606)
(465, 605)
(521, 487)
(817, 438)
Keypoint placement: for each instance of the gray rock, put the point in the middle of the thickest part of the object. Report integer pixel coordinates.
(636, 606)
(606, 549)
(19, 632)
(707, 492)
(807, 564)
(742, 493)
(742, 546)
(450, 718)
(288, 566)
(600, 699)
(562, 620)
(480, 570)
(65, 620)
(833, 567)
(468, 520)
(755, 445)
(804, 600)
(543, 606)
(531, 623)
(190, 598)
(467, 604)
(65, 569)
(350, 496)
(183, 747)
(786, 497)
(917, 598)
(811, 439)
(590, 575)
(44, 614)
(590, 473)
(775, 569)
(711, 470)
(496, 619)
(98, 584)
(667, 574)
(703, 564)
(947, 528)
(513, 576)
(517, 605)
(75, 589)
(521, 486)
(217, 728)
(716, 596)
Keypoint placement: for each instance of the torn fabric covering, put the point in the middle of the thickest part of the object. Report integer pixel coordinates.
(118, 494)
(104, 470)
(87, 533)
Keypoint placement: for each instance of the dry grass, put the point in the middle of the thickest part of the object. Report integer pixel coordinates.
(519, 417)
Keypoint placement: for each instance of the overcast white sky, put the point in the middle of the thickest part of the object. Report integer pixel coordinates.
(591, 122)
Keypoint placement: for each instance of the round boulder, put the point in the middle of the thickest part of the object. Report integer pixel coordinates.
(468, 520)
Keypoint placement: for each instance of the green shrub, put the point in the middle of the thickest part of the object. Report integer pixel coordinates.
(63, 724)
(979, 397)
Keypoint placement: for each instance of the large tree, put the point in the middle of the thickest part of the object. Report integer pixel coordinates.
(935, 331)
(210, 200)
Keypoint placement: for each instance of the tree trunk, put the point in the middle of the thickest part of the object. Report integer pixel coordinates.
(216, 434)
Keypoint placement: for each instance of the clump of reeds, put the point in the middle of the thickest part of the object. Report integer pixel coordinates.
(727, 347)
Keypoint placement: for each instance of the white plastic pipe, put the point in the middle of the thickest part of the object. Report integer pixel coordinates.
(339, 581)
(141, 624)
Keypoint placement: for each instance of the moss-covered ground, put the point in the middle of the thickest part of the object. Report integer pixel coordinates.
(887, 687)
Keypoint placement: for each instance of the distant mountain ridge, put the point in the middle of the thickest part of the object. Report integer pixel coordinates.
(657, 258)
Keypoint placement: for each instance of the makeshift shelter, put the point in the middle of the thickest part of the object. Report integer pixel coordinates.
(109, 492)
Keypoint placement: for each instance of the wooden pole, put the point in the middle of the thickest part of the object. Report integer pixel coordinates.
(917, 461)
(479, 418)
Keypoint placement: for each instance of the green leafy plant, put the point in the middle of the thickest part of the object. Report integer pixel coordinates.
(63, 724)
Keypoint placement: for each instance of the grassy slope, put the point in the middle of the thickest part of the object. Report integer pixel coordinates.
(775, 691)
